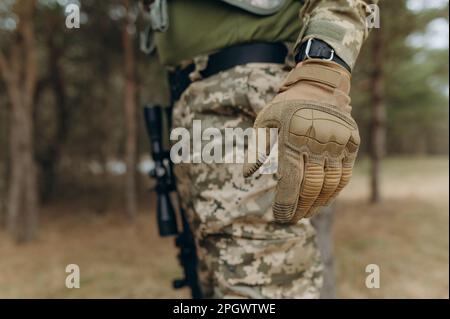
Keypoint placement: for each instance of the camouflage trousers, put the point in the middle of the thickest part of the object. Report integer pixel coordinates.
(242, 252)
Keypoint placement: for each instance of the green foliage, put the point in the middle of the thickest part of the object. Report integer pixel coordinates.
(415, 83)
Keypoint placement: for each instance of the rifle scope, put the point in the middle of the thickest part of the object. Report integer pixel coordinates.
(162, 172)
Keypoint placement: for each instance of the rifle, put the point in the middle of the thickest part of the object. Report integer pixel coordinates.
(166, 214)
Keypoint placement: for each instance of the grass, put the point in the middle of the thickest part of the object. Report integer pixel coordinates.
(117, 259)
(406, 235)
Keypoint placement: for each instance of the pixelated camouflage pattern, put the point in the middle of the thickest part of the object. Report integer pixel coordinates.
(340, 23)
(242, 252)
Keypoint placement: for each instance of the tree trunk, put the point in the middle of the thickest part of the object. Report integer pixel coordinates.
(19, 73)
(378, 116)
(4, 162)
(130, 114)
(48, 155)
(323, 223)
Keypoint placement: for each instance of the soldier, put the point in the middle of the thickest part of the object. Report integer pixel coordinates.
(239, 63)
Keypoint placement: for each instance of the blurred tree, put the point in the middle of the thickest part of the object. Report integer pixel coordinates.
(409, 81)
(323, 224)
(49, 148)
(19, 70)
(377, 136)
(130, 107)
(3, 155)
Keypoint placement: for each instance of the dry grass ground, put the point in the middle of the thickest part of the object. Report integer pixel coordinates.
(406, 235)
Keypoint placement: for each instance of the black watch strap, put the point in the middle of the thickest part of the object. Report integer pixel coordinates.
(318, 49)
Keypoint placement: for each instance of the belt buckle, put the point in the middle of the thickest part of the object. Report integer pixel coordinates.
(308, 48)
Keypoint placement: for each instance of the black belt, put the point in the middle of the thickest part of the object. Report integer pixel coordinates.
(226, 59)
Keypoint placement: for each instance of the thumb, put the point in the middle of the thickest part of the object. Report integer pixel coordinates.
(260, 144)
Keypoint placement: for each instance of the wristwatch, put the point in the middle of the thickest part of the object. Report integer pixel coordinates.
(318, 49)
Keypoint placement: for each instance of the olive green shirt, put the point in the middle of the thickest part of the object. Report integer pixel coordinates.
(203, 26)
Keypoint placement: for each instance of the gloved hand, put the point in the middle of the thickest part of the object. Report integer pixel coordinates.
(318, 139)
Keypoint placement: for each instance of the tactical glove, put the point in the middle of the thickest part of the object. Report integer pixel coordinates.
(318, 139)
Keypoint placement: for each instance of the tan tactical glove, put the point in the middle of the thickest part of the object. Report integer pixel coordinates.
(317, 138)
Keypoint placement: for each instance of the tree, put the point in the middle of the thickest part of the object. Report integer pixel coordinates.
(130, 109)
(323, 224)
(49, 148)
(377, 136)
(398, 89)
(19, 71)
